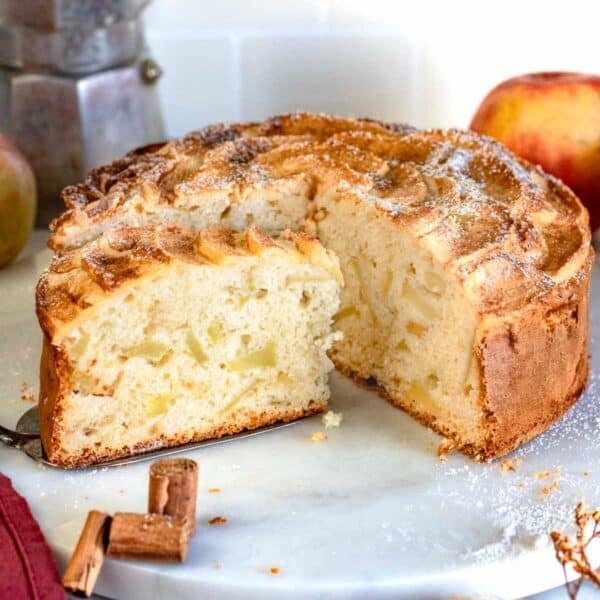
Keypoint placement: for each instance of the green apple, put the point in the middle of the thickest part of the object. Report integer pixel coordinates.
(18, 201)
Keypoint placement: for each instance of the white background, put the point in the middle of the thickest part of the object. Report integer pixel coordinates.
(426, 62)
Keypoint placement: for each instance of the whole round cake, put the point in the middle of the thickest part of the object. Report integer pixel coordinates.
(467, 270)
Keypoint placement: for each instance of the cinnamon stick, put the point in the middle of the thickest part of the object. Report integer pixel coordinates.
(85, 564)
(154, 537)
(173, 488)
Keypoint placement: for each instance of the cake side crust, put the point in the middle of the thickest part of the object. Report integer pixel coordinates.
(251, 422)
(533, 368)
(55, 372)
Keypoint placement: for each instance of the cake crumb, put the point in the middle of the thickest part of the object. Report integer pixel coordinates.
(546, 474)
(446, 447)
(547, 490)
(586, 473)
(27, 394)
(332, 419)
(217, 565)
(275, 571)
(218, 521)
(214, 490)
(510, 465)
(318, 436)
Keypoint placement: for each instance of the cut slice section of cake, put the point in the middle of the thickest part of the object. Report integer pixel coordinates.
(158, 337)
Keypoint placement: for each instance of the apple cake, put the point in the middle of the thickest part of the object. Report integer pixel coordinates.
(159, 336)
(466, 269)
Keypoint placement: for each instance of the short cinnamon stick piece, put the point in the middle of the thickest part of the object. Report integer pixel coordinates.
(85, 564)
(153, 537)
(173, 488)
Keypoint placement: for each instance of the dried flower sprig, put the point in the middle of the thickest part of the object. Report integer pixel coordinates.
(572, 552)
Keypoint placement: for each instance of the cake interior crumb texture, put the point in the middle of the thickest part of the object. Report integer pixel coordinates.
(197, 351)
(405, 322)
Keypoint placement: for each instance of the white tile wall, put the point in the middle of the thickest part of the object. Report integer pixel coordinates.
(428, 62)
(459, 64)
(341, 74)
(199, 83)
(202, 16)
(373, 15)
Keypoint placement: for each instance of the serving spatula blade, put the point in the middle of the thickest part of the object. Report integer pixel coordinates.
(26, 438)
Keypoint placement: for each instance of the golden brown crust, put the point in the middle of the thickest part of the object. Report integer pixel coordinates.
(506, 230)
(54, 377)
(83, 277)
(534, 366)
(159, 174)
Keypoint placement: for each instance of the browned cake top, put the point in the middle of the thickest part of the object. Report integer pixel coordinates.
(81, 277)
(508, 231)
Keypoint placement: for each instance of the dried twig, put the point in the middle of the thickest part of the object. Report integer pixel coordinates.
(572, 552)
(85, 564)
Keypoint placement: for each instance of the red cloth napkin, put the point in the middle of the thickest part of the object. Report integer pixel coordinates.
(27, 568)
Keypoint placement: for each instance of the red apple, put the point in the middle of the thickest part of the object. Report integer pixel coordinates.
(18, 201)
(550, 119)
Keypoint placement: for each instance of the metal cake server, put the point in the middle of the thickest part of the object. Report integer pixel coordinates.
(26, 438)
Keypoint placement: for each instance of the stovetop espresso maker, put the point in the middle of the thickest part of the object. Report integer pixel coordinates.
(77, 87)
